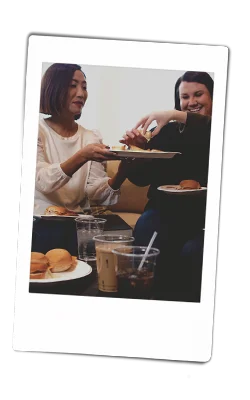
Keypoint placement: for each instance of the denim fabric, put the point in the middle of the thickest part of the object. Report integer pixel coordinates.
(179, 265)
(173, 233)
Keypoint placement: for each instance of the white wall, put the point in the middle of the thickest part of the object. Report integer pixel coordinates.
(118, 97)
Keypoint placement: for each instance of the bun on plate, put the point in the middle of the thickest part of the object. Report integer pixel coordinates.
(57, 210)
(39, 265)
(189, 184)
(121, 147)
(60, 260)
(135, 148)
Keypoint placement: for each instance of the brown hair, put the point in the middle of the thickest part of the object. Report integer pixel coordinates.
(54, 87)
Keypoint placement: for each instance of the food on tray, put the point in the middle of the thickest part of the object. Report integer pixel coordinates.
(56, 260)
(156, 151)
(121, 147)
(57, 210)
(171, 187)
(60, 260)
(135, 148)
(189, 184)
(39, 266)
(148, 134)
(124, 147)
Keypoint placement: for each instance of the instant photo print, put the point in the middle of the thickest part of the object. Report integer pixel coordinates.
(120, 195)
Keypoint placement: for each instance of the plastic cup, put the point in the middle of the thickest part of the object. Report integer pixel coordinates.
(104, 244)
(131, 282)
(86, 229)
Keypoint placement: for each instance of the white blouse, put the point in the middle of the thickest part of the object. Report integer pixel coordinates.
(88, 186)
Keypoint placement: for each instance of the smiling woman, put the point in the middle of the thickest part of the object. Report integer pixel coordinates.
(194, 93)
(69, 170)
(56, 84)
(179, 220)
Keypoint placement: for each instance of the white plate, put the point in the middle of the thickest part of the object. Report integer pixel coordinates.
(82, 269)
(56, 217)
(144, 154)
(173, 189)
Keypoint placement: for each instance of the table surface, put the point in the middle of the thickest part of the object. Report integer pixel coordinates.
(88, 286)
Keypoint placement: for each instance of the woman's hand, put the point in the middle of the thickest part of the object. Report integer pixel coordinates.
(122, 173)
(97, 152)
(135, 138)
(92, 152)
(125, 169)
(162, 118)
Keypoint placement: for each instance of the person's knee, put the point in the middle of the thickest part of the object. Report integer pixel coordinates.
(147, 224)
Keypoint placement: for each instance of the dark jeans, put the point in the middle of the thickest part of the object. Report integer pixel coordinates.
(179, 265)
(54, 234)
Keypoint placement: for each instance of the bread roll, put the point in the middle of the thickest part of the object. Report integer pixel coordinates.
(39, 265)
(55, 210)
(189, 184)
(59, 260)
(135, 148)
(121, 147)
(38, 275)
(58, 210)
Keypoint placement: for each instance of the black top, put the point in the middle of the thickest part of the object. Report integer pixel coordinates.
(114, 223)
(193, 142)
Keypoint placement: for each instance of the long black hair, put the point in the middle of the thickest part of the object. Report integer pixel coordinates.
(193, 76)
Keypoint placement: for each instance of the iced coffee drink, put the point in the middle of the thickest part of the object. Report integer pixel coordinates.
(105, 244)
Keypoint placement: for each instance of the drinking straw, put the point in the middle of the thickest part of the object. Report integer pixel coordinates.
(147, 250)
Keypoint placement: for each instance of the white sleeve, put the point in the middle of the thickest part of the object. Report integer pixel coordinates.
(98, 190)
(49, 177)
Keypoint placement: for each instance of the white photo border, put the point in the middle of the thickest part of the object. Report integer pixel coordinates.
(106, 326)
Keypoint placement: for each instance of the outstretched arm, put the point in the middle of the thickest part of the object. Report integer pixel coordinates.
(52, 176)
(162, 118)
(138, 137)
